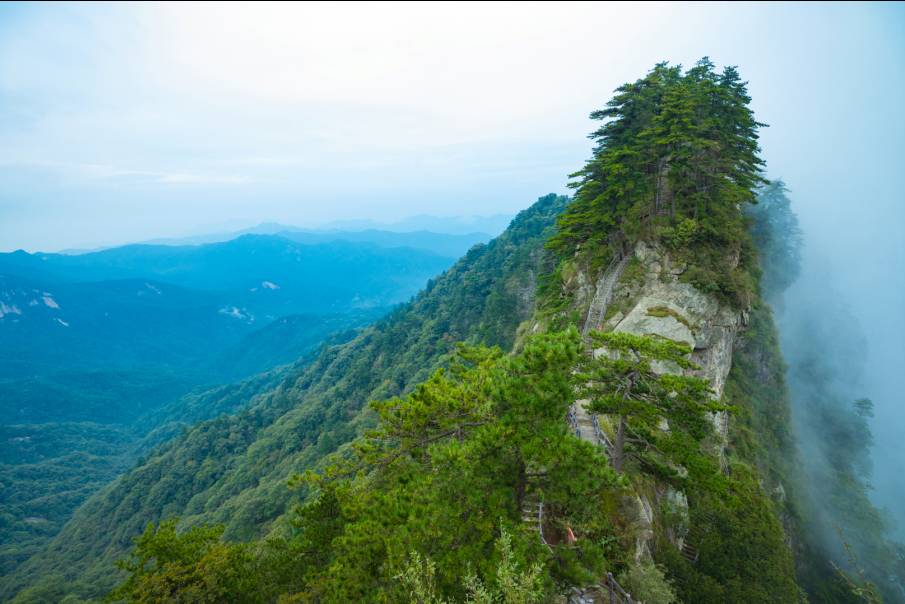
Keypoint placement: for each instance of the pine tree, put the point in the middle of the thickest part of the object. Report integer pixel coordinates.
(681, 145)
(661, 416)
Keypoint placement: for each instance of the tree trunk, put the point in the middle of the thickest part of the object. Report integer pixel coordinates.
(658, 188)
(619, 446)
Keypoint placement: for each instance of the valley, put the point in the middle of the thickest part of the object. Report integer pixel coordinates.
(108, 354)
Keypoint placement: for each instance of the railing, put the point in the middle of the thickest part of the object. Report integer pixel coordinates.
(601, 436)
(604, 291)
(533, 513)
(573, 422)
(694, 536)
(616, 594)
(540, 523)
(609, 589)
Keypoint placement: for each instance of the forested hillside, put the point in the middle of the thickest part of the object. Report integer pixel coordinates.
(233, 469)
(106, 354)
(591, 405)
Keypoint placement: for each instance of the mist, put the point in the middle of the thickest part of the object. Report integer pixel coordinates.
(837, 408)
(129, 122)
(132, 122)
(842, 314)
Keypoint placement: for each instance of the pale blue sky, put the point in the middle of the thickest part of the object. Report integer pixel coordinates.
(127, 122)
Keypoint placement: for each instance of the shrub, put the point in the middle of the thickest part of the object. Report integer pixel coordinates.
(647, 583)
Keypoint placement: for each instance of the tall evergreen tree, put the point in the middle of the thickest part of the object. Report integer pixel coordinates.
(660, 416)
(674, 144)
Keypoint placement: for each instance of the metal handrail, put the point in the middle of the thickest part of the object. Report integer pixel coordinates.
(573, 422)
(601, 436)
(540, 522)
(615, 591)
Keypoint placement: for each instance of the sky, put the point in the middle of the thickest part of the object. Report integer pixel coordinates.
(126, 122)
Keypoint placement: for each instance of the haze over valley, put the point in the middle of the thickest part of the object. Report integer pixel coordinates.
(448, 302)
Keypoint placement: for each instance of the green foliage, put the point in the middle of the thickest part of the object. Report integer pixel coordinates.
(418, 578)
(681, 235)
(233, 470)
(647, 583)
(129, 371)
(55, 588)
(512, 585)
(193, 567)
(427, 506)
(676, 158)
(446, 474)
(626, 381)
(846, 553)
(743, 557)
(465, 449)
(46, 471)
(724, 269)
(665, 311)
(102, 396)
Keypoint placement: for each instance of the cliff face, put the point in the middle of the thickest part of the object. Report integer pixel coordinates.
(643, 293)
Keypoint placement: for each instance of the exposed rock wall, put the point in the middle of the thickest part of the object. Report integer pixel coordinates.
(603, 293)
(661, 304)
(670, 308)
(653, 300)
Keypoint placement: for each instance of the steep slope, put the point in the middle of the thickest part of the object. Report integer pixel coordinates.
(285, 340)
(691, 530)
(46, 471)
(234, 469)
(94, 372)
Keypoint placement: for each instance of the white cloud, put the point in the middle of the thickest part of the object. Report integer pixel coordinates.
(136, 121)
(108, 172)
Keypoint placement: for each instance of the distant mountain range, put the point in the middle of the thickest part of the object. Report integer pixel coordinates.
(443, 235)
(255, 278)
(492, 225)
(186, 314)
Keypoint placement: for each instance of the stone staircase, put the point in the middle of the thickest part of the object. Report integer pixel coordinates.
(603, 294)
(688, 551)
(694, 537)
(586, 426)
(581, 422)
(607, 592)
(533, 515)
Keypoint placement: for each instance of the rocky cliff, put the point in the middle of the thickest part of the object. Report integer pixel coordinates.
(642, 292)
